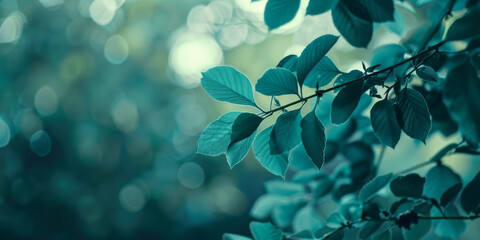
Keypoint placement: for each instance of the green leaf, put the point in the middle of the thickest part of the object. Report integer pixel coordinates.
(289, 62)
(215, 138)
(450, 228)
(283, 215)
(312, 54)
(264, 205)
(463, 101)
(419, 230)
(415, 116)
(335, 220)
(286, 133)
(320, 6)
(369, 190)
(384, 122)
(279, 12)
(230, 236)
(227, 84)
(276, 82)
(470, 197)
(299, 159)
(283, 188)
(322, 74)
(346, 101)
(265, 231)
(308, 218)
(465, 27)
(313, 138)
(427, 73)
(237, 151)
(369, 229)
(358, 151)
(410, 185)
(388, 55)
(322, 187)
(276, 164)
(439, 179)
(354, 22)
(380, 10)
(324, 108)
(244, 126)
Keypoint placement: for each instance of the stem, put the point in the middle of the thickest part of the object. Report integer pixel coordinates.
(320, 92)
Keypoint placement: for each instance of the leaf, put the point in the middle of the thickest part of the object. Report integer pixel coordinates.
(283, 215)
(264, 205)
(358, 151)
(313, 138)
(283, 188)
(279, 12)
(299, 159)
(410, 185)
(369, 190)
(439, 179)
(470, 197)
(414, 114)
(427, 73)
(276, 82)
(465, 27)
(448, 228)
(289, 62)
(227, 84)
(380, 10)
(324, 108)
(463, 101)
(276, 164)
(419, 230)
(265, 231)
(322, 74)
(215, 138)
(384, 122)
(369, 229)
(320, 6)
(286, 133)
(345, 102)
(335, 220)
(244, 126)
(323, 187)
(236, 151)
(308, 218)
(388, 55)
(354, 22)
(229, 236)
(312, 54)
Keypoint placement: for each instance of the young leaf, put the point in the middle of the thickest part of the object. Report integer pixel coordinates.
(279, 12)
(286, 133)
(380, 10)
(440, 179)
(427, 73)
(227, 84)
(313, 138)
(410, 185)
(369, 190)
(265, 231)
(470, 197)
(276, 82)
(463, 101)
(312, 54)
(320, 6)
(322, 74)
(384, 123)
(276, 164)
(289, 62)
(335, 220)
(345, 102)
(354, 22)
(414, 114)
(215, 138)
(230, 236)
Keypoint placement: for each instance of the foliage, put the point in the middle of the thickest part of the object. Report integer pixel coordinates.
(337, 163)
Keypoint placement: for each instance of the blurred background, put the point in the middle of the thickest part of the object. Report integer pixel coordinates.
(100, 112)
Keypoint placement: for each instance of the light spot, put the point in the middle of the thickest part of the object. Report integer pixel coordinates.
(103, 11)
(12, 27)
(46, 101)
(191, 175)
(51, 3)
(5, 133)
(125, 114)
(40, 143)
(132, 198)
(116, 49)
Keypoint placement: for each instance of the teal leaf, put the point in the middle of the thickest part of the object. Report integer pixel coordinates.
(230, 236)
(299, 159)
(410, 185)
(369, 190)
(279, 12)
(462, 99)
(447, 228)
(320, 6)
(427, 73)
(264, 205)
(265, 231)
(276, 82)
(440, 179)
(289, 62)
(283, 188)
(348, 77)
(384, 122)
(322, 74)
(416, 121)
(324, 108)
(276, 164)
(358, 151)
(286, 133)
(283, 215)
(244, 126)
(313, 138)
(308, 218)
(335, 220)
(312, 54)
(215, 138)
(354, 22)
(470, 197)
(419, 230)
(465, 27)
(227, 84)
(380, 10)
(369, 229)
(346, 101)
(236, 151)
(322, 187)
(388, 55)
